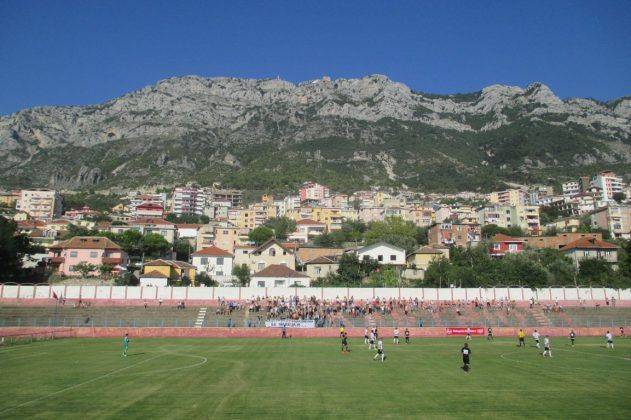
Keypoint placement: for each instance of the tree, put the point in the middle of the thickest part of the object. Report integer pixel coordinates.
(384, 276)
(154, 245)
(282, 226)
(260, 234)
(437, 273)
(126, 279)
(619, 196)
(488, 231)
(85, 268)
(352, 271)
(13, 248)
(205, 279)
(105, 269)
(242, 273)
(595, 271)
(182, 249)
(395, 231)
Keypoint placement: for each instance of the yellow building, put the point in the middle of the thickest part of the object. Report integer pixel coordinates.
(511, 197)
(173, 270)
(422, 257)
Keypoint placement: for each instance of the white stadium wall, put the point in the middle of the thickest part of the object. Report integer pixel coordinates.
(30, 292)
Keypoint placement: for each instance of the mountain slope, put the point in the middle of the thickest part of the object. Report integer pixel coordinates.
(350, 133)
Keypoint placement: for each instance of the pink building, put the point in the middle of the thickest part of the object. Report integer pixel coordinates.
(95, 250)
(313, 191)
(148, 209)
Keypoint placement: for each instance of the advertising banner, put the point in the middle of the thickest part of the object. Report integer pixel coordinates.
(463, 330)
(290, 323)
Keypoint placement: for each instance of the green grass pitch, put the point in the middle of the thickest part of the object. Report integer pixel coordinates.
(310, 378)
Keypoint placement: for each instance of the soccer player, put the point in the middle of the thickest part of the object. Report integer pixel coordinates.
(520, 336)
(468, 333)
(345, 348)
(535, 336)
(572, 337)
(466, 352)
(546, 347)
(396, 335)
(621, 331)
(407, 336)
(342, 330)
(609, 337)
(125, 344)
(380, 352)
(365, 335)
(371, 341)
(489, 334)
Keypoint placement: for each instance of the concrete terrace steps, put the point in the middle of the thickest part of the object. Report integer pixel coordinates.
(540, 317)
(201, 316)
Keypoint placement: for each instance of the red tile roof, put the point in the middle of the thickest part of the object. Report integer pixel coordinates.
(212, 251)
(500, 237)
(309, 222)
(588, 243)
(277, 270)
(87, 242)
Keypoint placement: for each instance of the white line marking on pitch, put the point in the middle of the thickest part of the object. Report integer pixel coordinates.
(79, 384)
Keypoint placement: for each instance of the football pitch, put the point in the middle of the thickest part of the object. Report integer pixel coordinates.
(311, 378)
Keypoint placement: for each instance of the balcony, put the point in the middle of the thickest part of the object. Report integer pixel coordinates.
(112, 260)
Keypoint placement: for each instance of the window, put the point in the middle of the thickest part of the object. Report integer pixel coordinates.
(586, 253)
(393, 257)
(379, 257)
(203, 261)
(94, 254)
(71, 268)
(261, 266)
(73, 254)
(220, 261)
(272, 252)
(279, 283)
(365, 257)
(496, 247)
(261, 283)
(318, 270)
(219, 273)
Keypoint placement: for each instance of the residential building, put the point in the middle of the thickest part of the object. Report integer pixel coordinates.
(9, 198)
(304, 253)
(512, 197)
(586, 248)
(609, 183)
(558, 241)
(149, 209)
(136, 199)
(614, 218)
(423, 257)
(215, 262)
(148, 225)
(571, 188)
(219, 194)
(313, 191)
(457, 234)
(188, 200)
(277, 275)
(271, 252)
(94, 250)
(321, 267)
(43, 204)
(503, 244)
(383, 253)
(306, 230)
(175, 271)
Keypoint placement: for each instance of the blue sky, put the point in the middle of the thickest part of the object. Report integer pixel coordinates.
(82, 52)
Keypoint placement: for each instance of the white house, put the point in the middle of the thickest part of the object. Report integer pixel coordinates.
(383, 253)
(277, 275)
(215, 262)
(154, 278)
(307, 229)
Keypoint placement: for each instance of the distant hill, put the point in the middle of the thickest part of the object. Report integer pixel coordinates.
(348, 133)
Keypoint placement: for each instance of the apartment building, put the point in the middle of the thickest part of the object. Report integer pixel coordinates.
(313, 191)
(512, 197)
(614, 218)
(571, 188)
(457, 234)
(219, 194)
(188, 200)
(43, 204)
(609, 183)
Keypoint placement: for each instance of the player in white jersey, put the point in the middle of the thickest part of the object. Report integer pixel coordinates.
(609, 337)
(535, 336)
(468, 334)
(380, 353)
(371, 341)
(546, 347)
(365, 335)
(395, 334)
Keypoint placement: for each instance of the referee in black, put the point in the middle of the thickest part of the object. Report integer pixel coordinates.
(466, 353)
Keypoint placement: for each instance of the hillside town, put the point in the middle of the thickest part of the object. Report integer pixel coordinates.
(201, 236)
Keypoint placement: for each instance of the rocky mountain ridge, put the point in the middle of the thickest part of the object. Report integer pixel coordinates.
(188, 127)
